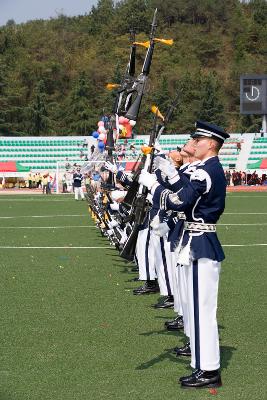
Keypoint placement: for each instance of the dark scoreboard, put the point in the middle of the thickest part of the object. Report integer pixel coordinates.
(253, 94)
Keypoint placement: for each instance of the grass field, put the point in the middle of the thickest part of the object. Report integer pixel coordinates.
(71, 328)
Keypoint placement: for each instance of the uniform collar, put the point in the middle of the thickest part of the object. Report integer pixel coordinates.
(203, 162)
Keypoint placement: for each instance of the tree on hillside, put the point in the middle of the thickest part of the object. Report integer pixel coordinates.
(133, 13)
(162, 95)
(211, 108)
(38, 121)
(101, 15)
(81, 113)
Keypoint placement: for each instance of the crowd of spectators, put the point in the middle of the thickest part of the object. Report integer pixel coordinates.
(236, 178)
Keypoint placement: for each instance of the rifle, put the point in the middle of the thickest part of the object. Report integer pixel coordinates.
(123, 87)
(128, 78)
(140, 206)
(138, 86)
(132, 192)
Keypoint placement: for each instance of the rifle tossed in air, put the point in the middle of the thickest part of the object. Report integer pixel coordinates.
(135, 94)
(113, 125)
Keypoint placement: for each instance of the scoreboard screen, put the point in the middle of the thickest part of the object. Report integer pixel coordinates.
(253, 94)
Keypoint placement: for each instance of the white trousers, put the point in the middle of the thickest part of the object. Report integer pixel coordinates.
(78, 191)
(175, 284)
(160, 256)
(182, 287)
(147, 271)
(202, 291)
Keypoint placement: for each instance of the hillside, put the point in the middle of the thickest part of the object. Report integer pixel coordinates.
(53, 72)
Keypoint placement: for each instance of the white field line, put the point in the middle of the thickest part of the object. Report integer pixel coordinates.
(86, 215)
(56, 247)
(45, 216)
(235, 196)
(244, 245)
(253, 224)
(108, 247)
(94, 226)
(245, 213)
(48, 227)
(39, 200)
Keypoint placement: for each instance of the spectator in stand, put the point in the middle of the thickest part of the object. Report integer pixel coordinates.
(234, 178)
(92, 149)
(49, 183)
(238, 146)
(228, 177)
(44, 183)
(133, 151)
(33, 181)
(96, 180)
(64, 184)
(38, 180)
(87, 181)
(30, 180)
(254, 179)
(239, 178)
(244, 178)
(67, 165)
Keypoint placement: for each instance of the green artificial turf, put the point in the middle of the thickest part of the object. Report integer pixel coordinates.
(72, 329)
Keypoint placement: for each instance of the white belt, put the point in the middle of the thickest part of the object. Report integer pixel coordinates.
(199, 227)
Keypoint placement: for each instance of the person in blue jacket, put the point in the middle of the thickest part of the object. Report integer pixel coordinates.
(202, 199)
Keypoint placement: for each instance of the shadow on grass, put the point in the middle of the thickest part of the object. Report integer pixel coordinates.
(226, 355)
(162, 332)
(169, 318)
(168, 354)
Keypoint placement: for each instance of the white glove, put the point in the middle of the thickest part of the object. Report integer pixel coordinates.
(157, 147)
(162, 229)
(110, 167)
(147, 179)
(155, 223)
(114, 206)
(112, 224)
(168, 169)
(149, 198)
(124, 237)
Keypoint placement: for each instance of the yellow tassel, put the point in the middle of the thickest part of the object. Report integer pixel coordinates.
(169, 42)
(155, 110)
(144, 44)
(111, 86)
(146, 150)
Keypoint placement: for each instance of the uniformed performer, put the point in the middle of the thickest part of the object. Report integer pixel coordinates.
(202, 199)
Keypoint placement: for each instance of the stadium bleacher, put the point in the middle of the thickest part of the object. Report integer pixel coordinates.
(43, 153)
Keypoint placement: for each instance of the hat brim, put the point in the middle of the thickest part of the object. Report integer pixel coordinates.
(195, 135)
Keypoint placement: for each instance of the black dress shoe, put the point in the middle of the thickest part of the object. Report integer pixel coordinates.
(148, 288)
(184, 378)
(202, 379)
(176, 324)
(166, 303)
(183, 351)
